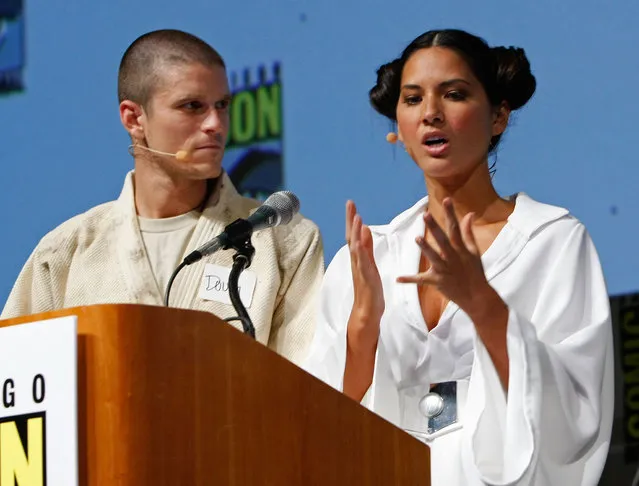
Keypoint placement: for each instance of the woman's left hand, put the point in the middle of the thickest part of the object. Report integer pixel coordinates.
(456, 270)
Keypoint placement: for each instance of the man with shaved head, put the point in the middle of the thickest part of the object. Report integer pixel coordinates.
(174, 103)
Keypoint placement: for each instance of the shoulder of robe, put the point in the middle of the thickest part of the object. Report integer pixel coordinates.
(81, 230)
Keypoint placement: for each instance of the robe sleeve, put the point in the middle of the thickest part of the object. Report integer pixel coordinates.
(557, 414)
(327, 357)
(31, 292)
(293, 323)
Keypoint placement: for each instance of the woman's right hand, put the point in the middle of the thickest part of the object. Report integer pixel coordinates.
(368, 306)
(368, 303)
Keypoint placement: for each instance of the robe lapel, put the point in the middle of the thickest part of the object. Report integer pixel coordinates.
(221, 209)
(134, 261)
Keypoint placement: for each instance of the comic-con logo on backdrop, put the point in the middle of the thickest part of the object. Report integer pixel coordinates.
(254, 158)
(12, 57)
(625, 315)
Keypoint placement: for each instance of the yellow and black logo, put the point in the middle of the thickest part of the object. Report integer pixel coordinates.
(23, 450)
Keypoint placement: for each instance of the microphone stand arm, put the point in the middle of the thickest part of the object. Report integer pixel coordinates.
(244, 252)
(237, 236)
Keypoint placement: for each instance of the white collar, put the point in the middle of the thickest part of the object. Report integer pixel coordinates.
(527, 217)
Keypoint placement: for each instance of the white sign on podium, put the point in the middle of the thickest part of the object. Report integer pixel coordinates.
(38, 403)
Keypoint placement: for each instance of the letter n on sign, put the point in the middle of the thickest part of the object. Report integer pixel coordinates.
(23, 450)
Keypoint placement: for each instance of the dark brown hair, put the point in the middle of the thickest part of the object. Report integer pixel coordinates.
(141, 63)
(504, 72)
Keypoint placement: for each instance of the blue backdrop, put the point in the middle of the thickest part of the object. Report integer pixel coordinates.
(63, 150)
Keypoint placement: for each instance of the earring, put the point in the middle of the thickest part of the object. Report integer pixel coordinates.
(391, 137)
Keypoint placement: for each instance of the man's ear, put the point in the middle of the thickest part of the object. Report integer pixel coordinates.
(133, 118)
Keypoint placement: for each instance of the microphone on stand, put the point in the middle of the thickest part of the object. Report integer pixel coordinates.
(278, 209)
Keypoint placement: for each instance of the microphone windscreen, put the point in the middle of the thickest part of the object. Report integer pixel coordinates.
(285, 203)
(183, 155)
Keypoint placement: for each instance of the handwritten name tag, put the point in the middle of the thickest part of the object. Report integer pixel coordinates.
(215, 285)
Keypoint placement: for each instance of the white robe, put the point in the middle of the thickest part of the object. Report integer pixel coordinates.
(99, 257)
(554, 424)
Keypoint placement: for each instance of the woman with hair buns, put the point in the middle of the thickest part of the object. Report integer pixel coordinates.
(478, 323)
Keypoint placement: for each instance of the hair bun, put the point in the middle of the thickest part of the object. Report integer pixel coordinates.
(383, 96)
(513, 76)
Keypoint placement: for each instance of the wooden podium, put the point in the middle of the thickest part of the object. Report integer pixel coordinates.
(176, 397)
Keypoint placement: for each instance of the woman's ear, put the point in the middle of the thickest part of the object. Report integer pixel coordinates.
(500, 118)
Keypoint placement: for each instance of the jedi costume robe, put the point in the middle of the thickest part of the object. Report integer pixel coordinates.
(99, 257)
(553, 424)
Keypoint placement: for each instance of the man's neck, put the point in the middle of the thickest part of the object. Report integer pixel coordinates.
(161, 196)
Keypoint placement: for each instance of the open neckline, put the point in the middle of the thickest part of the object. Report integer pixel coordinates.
(488, 258)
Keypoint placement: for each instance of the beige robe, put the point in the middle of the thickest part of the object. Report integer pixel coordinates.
(99, 257)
